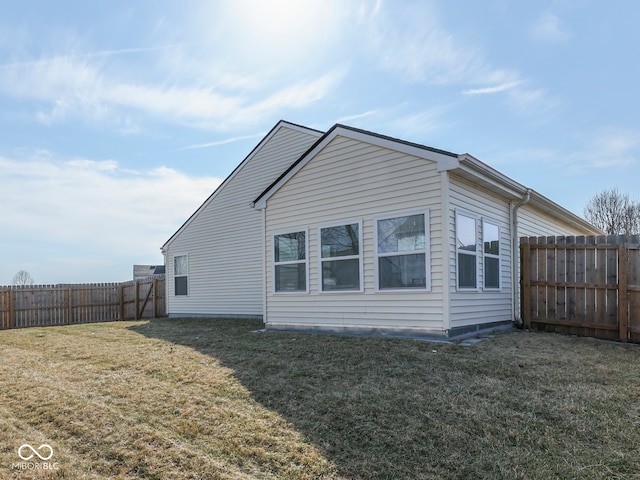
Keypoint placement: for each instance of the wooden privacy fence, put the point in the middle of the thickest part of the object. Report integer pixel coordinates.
(582, 285)
(46, 305)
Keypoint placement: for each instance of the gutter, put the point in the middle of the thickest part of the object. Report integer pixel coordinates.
(515, 256)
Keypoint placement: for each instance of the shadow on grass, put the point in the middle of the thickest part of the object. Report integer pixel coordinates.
(369, 404)
(384, 408)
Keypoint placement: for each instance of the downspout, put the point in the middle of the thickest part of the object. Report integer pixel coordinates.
(515, 256)
(264, 267)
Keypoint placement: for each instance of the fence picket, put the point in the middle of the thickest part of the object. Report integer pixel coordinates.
(47, 305)
(582, 285)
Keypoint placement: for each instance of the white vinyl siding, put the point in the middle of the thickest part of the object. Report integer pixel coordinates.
(479, 305)
(351, 179)
(224, 237)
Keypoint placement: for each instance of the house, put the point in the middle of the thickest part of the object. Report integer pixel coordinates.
(144, 271)
(214, 261)
(355, 232)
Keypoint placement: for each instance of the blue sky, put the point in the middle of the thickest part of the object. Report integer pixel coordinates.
(119, 118)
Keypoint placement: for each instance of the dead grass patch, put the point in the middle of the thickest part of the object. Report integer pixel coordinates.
(208, 399)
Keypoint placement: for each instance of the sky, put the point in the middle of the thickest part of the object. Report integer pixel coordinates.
(118, 119)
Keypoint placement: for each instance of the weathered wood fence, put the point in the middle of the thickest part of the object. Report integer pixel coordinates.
(46, 305)
(582, 285)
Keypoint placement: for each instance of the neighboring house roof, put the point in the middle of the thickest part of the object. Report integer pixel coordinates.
(256, 149)
(464, 165)
(140, 271)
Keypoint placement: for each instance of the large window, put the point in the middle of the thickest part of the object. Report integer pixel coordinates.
(290, 262)
(466, 241)
(491, 240)
(180, 274)
(340, 254)
(402, 252)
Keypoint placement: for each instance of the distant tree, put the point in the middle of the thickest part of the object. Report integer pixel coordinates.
(22, 278)
(614, 213)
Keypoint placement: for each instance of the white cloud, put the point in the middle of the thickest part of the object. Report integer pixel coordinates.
(94, 209)
(222, 142)
(548, 27)
(610, 148)
(409, 41)
(490, 90)
(67, 87)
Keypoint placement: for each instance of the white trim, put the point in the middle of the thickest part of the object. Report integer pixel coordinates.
(490, 255)
(360, 256)
(426, 251)
(445, 239)
(475, 218)
(304, 230)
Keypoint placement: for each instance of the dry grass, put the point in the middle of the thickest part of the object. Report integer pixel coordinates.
(203, 399)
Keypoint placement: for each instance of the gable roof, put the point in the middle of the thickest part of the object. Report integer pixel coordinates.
(444, 159)
(281, 124)
(464, 165)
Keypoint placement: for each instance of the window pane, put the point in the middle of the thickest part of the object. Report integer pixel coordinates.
(180, 284)
(491, 239)
(180, 265)
(291, 278)
(402, 271)
(340, 241)
(491, 272)
(466, 270)
(341, 275)
(289, 247)
(466, 233)
(401, 234)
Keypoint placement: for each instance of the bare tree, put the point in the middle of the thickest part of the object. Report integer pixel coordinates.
(614, 213)
(22, 278)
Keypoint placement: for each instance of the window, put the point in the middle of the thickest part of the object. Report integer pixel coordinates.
(180, 269)
(466, 241)
(491, 240)
(402, 252)
(290, 262)
(340, 257)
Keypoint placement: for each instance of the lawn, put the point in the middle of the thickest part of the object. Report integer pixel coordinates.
(209, 399)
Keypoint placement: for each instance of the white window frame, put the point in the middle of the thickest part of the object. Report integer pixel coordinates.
(321, 260)
(186, 255)
(490, 255)
(459, 252)
(292, 262)
(426, 251)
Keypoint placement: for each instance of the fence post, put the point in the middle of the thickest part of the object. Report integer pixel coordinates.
(121, 300)
(70, 306)
(137, 300)
(623, 304)
(155, 297)
(525, 272)
(12, 313)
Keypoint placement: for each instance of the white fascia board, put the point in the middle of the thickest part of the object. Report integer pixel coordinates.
(558, 211)
(496, 181)
(488, 176)
(281, 124)
(445, 162)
